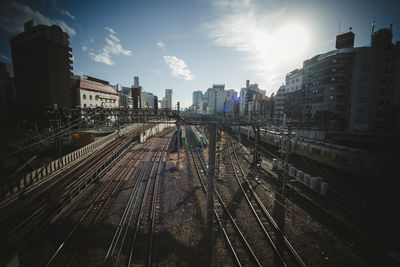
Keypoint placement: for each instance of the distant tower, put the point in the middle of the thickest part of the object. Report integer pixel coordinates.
(247, 83)
(168, 96)
(136, 81)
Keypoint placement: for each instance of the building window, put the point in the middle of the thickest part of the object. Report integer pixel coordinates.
(334, 61)
(361, 100)
(84, 96)
(90, 97)
(332, 88)
(333, 79)
(84, 105)
(333, 70)
(331, 97)
(97, 97)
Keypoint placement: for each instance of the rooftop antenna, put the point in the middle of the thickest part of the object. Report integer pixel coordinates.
(339, 25)
(373, 29)
(350, 28)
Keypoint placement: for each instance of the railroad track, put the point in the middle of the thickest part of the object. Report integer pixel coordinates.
(269, 227)
(77, 239)
(141, 247)
(42, 204)
(235, 241)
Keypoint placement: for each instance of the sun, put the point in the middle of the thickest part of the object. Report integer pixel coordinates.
(290, 41)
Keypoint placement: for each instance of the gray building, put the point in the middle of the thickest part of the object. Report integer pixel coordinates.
(327, 85)
(279, 105)
(375, 96)
(42, 66)
(168, 98)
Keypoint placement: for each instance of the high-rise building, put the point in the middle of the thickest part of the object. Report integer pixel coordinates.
(197, 96)
(217, 98)
(168, 97)
(248, 93)
(327, 85)
(375, 96)
(148, 100)
(42, 66)
(136, 81)
(279, 104)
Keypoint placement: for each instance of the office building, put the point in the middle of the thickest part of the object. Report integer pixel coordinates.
(327, 85)
(42, 67)
(294, 80)
(136, 81)
(168, 98)
(279, 105)
(375, 96)
(148, 100)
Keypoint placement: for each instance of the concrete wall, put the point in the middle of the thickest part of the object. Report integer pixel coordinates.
(55, 166)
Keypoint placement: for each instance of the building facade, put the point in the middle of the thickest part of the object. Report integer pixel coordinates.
(294, 80)
(279, 105)
(148, 100)
(42, 66)
(375, 96)
(327, 85)
(168, 98)
(91, 94)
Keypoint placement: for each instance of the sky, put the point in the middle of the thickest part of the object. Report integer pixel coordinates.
(190, 45)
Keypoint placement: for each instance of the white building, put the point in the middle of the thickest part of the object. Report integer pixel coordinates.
(95, 94)
(216, 98)
(294, 80)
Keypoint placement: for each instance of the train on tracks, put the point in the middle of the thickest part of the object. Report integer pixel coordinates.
(344, 158)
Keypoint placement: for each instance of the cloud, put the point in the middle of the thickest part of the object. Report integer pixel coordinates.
(66, 13)
(161, 45)
(112, 47)
(270, 44)
(13, 15)
(110, 30)
(91, 39)
(62, 11)
(156, 71)
(178, 68)
(84, 48)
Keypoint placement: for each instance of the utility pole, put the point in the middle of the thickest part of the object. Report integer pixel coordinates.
(210, 193)
(282, 196)
(256, 156)
(178, 140)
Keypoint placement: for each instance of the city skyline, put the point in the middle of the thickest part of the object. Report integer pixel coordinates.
(190, 46)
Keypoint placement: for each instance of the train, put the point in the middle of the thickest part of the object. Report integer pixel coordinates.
(344, 158)
(198, 136)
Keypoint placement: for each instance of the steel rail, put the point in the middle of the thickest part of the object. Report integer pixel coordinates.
(236, 227)
(142, 210)
(106, 194)
(264, 211)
